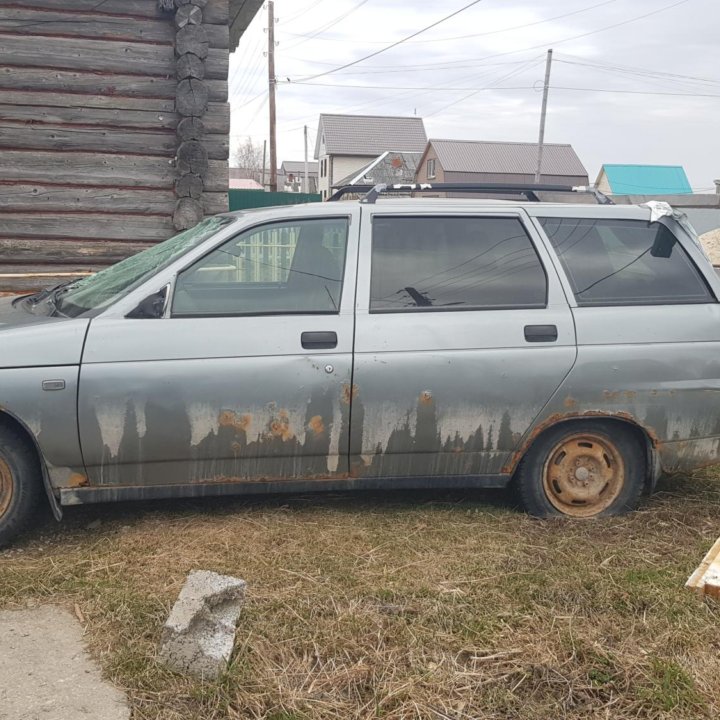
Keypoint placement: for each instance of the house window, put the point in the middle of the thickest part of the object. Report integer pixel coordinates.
(431, 169)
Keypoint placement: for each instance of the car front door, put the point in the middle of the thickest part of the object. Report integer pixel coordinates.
(463, 333)
(245, 379)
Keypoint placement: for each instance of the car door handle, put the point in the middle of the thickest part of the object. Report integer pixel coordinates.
(541, 333)
(318, 340)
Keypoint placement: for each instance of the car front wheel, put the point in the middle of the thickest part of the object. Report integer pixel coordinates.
(20, 483)
(582, 470)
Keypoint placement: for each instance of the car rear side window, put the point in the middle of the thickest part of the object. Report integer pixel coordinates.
(625, 262)
(454, 263)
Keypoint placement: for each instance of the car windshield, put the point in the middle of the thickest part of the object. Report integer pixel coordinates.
(102, 289)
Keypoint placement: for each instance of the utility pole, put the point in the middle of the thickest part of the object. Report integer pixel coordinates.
(264, 162)
(271, 89)
(543, 113)
(306, 184)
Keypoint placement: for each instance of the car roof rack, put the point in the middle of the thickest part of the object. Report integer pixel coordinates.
(372, 192)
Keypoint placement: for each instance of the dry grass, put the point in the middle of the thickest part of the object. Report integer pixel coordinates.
(414, 605)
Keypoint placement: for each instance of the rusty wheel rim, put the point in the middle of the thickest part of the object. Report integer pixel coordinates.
(583, 475)
(6, 487)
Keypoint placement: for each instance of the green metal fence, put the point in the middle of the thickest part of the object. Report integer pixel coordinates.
(248, 199)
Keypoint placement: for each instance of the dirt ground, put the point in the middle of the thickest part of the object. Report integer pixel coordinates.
(398, 606)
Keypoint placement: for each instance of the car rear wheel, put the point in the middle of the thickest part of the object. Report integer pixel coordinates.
(20, 483)
(582, 470)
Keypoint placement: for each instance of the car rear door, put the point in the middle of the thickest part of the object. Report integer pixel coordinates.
(463, 333)
(247, 377)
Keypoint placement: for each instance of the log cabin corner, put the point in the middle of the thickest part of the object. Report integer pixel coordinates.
(114, 128)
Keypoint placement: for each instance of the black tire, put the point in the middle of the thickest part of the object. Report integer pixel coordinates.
(20, 483)
(582, 469)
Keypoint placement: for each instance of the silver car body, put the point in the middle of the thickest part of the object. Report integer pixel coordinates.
(145, 408)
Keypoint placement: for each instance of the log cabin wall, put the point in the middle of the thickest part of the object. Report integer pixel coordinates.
(96, 162)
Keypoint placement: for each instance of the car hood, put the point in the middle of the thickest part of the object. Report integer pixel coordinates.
(28, 340)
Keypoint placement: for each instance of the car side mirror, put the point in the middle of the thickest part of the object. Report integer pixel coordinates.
(663, 244)
(151, 307)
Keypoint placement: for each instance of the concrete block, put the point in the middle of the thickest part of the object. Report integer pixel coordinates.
(199, 634)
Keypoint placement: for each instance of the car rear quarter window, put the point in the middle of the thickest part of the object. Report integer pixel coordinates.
(625, 262)
(454, 263)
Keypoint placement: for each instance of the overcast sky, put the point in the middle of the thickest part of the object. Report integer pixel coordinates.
(623, 90)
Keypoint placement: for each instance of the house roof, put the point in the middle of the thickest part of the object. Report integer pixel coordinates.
(241, 14)
(390, 167)
(369, 134)
(244, 184)
(298, 167)
(520, 158)
(646, 179)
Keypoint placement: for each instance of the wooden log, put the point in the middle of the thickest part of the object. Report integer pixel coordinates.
(190, 186)
(215, 12)
(103, 56)
(90, 117)
(191, 98)
(101, 170)
(26, 198)
(190, 128)
(72, 225)
(192, 157)
(92, 85)
(115, 111)
(188, 15)
(192, 39)
(39, 197)
(38, 251)
(80, 101)
(81, 54)
(23, 284)
(34, 22)
(68, 137)
(214, 202)
(188, 213)
(190, 66)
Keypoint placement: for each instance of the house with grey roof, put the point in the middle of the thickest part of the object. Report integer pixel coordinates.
(390, 167)
(483, 161)
(348, 143)
(291, 176)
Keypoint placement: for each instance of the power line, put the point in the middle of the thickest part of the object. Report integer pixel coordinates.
(457, 64)
(305, 10)
(643, 73)
(491, 86)
(395, 44)
(331, 24)
(472, 35)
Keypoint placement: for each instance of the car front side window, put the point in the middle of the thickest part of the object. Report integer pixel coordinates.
(290, 267)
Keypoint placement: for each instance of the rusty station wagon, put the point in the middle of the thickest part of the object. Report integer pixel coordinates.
(569, 349)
